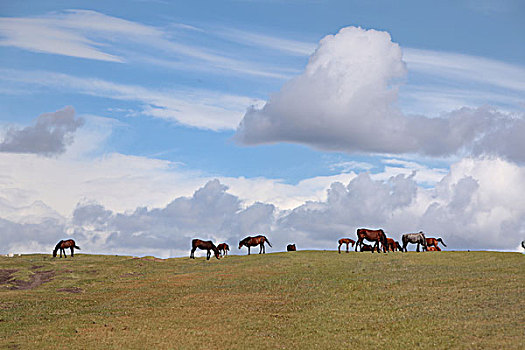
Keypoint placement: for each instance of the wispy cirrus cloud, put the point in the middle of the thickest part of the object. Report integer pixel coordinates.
(96, 36)
(195, 108)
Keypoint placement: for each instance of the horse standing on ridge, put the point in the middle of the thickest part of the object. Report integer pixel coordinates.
(415, 238)
(433, 242)
(377, 236)
(291, 248)
(255, 241)
(62, 245)
(204, 245)
(346, 241)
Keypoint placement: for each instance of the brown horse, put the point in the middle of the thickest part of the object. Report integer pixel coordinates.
(433, 249)
(377, 236)
(346, 241)
(223, 249)
(366, 248)
(433, 242)
(255, 241)
(391, 244)
(62, 245)
(291, 248)
(204, 245)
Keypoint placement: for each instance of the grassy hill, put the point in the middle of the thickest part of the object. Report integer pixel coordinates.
(306, 299)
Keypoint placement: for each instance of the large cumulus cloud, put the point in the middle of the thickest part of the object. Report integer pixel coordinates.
(346, 100)
(477, 205)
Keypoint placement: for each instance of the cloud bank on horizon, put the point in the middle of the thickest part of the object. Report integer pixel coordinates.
(346, 100)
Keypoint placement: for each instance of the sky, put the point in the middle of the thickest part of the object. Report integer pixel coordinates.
(135, 126)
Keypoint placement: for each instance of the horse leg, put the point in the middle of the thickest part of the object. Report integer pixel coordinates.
(347, 247)
(417, 249)
(339, 248)
(192, 256)
(72, 253)
(248, 250)
(357, 243)
(208, 254)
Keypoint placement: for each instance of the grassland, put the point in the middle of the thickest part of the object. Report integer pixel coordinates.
(306, 299)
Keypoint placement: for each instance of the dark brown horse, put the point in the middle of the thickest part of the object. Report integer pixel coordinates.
(291, 248)
(433, 242)
(377, 236)
(398, 246)
(223, 249)
(366, 248)
(204, 245)
(62, 245)
(255, 241)
(346, 241)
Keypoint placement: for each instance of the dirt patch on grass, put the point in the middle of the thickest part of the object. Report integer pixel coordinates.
(36, 279)
(6, 275)
(71, 290)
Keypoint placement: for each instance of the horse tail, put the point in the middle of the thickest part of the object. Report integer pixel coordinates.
(267, 241)
(440, 240)
(76, 247)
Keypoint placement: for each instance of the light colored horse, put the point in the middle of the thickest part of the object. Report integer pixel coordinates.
(415, 238)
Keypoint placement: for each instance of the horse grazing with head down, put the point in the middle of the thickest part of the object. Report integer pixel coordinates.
(433, 249)
(415, 238)
(391, 245)
(433, 242)
(62, 245)
(346, 241)
(255, 241)
(291, 248)
(223, 249)
(377, 236)
(204, 245)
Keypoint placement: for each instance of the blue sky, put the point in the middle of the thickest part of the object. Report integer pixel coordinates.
(186, 92)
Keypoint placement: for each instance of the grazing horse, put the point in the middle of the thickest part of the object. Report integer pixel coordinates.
(62, 245)
(415, 238)
(398, 246)
(366, 248)
(204, 245)
(346, 241)
(377, 236)
(433, 242)
(392, 245)
(433, 249)
(254, 241)
(223, 249)
(291, 248)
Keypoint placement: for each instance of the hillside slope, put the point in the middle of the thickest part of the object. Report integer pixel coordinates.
(306, 299)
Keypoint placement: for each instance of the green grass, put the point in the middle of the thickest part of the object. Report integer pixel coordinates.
(306, 299)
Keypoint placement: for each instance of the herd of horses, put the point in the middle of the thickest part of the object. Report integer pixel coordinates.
(388, 244)
(375, 236)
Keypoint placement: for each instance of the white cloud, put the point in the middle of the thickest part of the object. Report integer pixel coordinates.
(196, 108)
(346, 101)
(93, 35)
